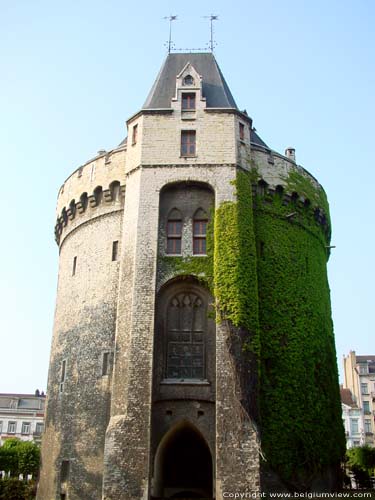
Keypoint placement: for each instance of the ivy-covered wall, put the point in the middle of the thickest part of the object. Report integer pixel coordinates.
(302, 431)
(266, 268)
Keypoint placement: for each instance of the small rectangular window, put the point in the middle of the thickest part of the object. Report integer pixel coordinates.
(107, 363)
(242, 131)
(368, 426)
(174, 235)
(364, 389)
(12, 427)
(63, 371)
(74, 266)
(26, 426)
(188, 101)
(354, 425)
(39, 428)
(188, 142)
(366, 407)
(115, 250)
(135, 134)
(199, 237)
(65, 469)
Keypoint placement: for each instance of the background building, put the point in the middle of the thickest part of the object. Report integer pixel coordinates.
(192, 216)
(22, 416)
(359, 378)
(352, 416)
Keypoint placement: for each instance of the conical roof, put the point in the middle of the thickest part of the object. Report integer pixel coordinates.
(214, 86)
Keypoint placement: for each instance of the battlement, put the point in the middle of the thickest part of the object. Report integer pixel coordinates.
(101, 171)
(99, 182)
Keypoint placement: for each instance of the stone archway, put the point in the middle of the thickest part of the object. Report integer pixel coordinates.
(183, 464)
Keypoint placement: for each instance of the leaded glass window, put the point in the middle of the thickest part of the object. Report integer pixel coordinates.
(185, 337)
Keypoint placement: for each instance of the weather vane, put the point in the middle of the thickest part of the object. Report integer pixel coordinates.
(212, 18)
(170, 43)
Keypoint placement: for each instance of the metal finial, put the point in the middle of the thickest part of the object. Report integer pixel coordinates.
(212, 18)
(170, 43)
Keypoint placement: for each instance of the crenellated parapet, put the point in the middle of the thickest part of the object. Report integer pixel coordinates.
(97, 187)
(98, 203)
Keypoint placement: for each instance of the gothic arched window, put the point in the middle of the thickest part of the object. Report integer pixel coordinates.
(185, 349)
(200, 222)
(174, 232)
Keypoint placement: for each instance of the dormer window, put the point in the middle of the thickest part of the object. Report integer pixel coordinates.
(188, 101)
(188, 80)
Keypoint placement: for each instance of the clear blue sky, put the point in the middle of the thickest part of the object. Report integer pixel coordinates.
(72, 72)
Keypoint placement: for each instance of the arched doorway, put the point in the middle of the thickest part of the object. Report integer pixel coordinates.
(183, 464)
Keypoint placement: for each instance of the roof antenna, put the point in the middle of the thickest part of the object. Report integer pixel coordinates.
(170, 43)
(212, 18)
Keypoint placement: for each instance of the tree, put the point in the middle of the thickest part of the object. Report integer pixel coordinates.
(20, 457)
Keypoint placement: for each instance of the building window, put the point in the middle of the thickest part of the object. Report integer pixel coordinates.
(63, 375)
(354, 426)
(188, 80)
(200, 222)
(114, 250)
(135, 134)
(363, 369)
(12, 427)
(188, 101)
(107, 362)
(364, 389)
(188, 142)
(25, 428)
(185, 337)
(74, 268)
(366, 406)
(367, 426)
(174, 233)
(39, 428)
(1, 426)
(64, 472)
(242, 131)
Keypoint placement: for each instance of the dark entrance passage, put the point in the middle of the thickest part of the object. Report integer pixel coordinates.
(183, 465)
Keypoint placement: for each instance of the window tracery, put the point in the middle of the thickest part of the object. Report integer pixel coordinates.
(185, 349)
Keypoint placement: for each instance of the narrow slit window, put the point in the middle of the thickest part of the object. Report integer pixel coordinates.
(115, 250)
(188, 101)
(65, 469)
(174, 234)
(242, 131)
(200, 236)
(74, 266)
(188, 141)
(135, 134)
(62, 375)
(106, 364)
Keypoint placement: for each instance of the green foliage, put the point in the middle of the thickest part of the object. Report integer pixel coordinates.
(361, 457)
(13, 489)
(28, 458)
(235, 274)
(301, 184)
(302, 430)
(20, 457)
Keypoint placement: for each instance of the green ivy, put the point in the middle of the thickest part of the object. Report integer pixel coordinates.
(267, 272)
(302, 430)
(235, 273)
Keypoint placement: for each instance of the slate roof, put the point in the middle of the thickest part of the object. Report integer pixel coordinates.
(215, 88)
(363, 359)
(255, 139)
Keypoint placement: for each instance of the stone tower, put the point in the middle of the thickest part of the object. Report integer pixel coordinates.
(193, 351)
